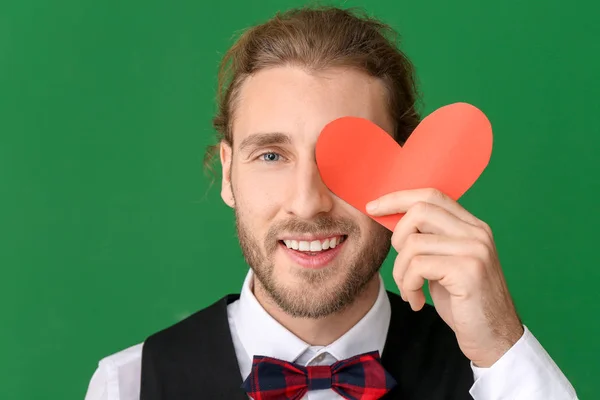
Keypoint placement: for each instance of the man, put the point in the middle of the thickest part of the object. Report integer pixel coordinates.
(313, 319)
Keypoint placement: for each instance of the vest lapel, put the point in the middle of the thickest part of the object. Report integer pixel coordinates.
(194, 359)
(422, 354)
(393, 355)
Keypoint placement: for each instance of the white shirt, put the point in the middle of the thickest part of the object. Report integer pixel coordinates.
(525, 372)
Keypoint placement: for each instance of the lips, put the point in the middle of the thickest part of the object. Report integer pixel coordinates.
(311, 253)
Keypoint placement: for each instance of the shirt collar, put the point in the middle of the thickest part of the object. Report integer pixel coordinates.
(261, 334)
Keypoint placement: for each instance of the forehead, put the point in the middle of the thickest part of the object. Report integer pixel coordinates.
(299, 103)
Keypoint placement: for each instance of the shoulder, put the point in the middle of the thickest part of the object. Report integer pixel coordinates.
(117, 373)
(124, 357)
(193, 330)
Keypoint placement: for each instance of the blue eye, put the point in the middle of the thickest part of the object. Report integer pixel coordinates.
(270, 157)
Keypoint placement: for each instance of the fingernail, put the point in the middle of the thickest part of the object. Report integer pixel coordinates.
(372, 206)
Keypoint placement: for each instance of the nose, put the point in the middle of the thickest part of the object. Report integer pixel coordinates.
(309, 196)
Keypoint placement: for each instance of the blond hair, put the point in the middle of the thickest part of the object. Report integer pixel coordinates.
(317, 38)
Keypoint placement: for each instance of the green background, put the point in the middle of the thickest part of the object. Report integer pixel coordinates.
(109, 229)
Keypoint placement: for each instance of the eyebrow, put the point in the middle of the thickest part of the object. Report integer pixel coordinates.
(265, 139)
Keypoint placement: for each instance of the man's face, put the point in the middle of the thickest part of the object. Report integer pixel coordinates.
(312, 252)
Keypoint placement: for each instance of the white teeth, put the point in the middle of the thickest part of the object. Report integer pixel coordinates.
(313, 246)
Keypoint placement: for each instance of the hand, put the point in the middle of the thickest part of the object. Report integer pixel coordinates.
(439, 241)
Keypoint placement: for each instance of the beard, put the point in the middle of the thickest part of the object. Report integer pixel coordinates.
(313, 295)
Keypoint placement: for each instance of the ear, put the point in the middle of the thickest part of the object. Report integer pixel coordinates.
(225, 153)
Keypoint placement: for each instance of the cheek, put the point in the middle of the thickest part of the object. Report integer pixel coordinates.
(369, 228)
(363, 221)
(260, 194)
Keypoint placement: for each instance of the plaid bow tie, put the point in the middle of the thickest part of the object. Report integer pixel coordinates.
(361, 377)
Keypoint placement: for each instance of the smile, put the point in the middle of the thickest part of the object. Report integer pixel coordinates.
(314, 245)
(313, 252)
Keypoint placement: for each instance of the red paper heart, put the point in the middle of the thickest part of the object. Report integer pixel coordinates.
(359, 162)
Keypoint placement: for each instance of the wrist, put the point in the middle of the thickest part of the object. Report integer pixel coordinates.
(504, 342)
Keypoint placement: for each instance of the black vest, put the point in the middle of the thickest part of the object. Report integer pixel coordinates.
(195, 358)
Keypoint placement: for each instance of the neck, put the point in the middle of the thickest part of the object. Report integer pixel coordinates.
(322, 331)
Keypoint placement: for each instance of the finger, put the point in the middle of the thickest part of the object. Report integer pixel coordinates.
(429, 218)
(429, 244)
(412, 284)
(419, 244)
(400, 265)
(402, 201)
(442, 269)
